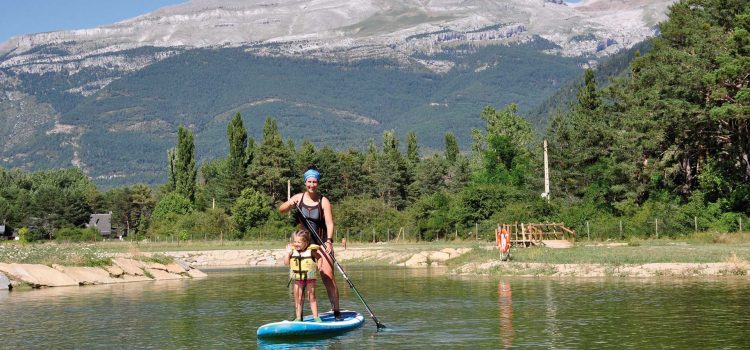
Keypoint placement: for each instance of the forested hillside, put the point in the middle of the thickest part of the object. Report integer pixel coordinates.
(665, 149)
(121, 133)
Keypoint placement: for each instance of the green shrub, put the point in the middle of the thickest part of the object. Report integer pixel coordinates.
(24, 236)
(727, 222)
(172, 203)
(251, 209)
(72, 234)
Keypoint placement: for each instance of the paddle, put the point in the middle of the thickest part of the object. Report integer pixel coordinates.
(309, 227)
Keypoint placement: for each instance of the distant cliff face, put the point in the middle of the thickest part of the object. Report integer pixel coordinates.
(55, 86)
(357, 28)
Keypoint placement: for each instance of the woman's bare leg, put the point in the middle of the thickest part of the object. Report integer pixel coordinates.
(325, 266)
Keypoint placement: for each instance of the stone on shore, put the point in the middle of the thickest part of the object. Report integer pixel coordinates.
(419, 259)
(175, 268)
(4, 282)
(154, 265)
(131, 278)
(130, 266)
(225, 257)
(439, 256)
(114, 271)
(195, 273)
(37, 275)
(160, 274)
(86, 275)
(185, 266)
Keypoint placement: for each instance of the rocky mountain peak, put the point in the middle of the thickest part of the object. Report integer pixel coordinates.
(333, 25)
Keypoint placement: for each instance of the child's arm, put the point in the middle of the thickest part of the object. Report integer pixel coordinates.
(288, 254)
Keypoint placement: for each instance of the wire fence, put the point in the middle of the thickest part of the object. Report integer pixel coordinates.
(664, 227)
(594, 230)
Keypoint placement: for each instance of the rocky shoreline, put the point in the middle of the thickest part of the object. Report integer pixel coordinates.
(187, 264)
(122, 270)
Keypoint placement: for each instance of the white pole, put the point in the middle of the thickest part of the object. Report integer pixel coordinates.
(546, 170)
(588, 234)
(288, 189)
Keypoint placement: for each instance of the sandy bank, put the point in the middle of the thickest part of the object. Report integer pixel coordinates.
(445, 256)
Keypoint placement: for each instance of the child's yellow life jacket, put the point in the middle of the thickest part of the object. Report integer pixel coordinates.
(302, 265)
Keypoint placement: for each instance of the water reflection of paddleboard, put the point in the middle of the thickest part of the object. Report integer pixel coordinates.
(349, 320)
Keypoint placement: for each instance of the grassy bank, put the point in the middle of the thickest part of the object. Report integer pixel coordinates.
(703, 248)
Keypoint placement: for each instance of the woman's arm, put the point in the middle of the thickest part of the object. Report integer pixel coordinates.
(328, 215)
(291, 203)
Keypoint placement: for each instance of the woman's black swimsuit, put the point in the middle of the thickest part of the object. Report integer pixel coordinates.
(315, 215)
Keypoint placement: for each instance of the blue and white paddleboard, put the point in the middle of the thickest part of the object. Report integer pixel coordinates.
(349, 320)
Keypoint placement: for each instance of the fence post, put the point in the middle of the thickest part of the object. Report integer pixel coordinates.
(695, 220)
(588, 234)
(656, 227)
(621, 235)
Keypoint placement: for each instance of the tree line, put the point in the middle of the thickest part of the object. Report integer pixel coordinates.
(669, 142)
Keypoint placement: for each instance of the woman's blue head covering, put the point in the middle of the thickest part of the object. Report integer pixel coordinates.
(312, 173)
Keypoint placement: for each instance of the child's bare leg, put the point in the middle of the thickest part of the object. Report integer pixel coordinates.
(298, 301)
(313, 300)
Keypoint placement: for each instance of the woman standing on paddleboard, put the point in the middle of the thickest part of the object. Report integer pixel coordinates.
(317, 209)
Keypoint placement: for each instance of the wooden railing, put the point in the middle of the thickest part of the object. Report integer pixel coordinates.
(531, 234)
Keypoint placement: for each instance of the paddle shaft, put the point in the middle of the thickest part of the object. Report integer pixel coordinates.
(310, 228)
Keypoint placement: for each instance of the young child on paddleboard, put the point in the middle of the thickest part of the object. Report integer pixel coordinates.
(303, 269)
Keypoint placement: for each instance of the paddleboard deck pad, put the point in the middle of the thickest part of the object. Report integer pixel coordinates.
(349, 320)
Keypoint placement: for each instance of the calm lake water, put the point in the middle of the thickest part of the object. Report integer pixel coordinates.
(423, 309)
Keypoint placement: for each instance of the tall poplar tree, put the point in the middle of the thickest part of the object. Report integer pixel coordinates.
(185, 172)
(236, 175)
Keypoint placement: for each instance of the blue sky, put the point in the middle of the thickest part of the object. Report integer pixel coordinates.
(32, 16)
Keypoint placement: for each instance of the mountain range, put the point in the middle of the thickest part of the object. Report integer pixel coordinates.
(335, 72)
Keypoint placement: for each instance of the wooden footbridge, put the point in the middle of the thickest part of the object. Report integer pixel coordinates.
(554, 235)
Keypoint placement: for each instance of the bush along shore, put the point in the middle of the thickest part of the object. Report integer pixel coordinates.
(112, 262)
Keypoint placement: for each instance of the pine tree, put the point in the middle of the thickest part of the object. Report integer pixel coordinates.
(412, 148)
(504, 155)
(273, 163)
(451, 148)
(390, 176)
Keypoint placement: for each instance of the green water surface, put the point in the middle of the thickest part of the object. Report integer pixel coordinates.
(422, 308)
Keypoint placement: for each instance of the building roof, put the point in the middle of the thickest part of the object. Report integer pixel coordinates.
(102, 222)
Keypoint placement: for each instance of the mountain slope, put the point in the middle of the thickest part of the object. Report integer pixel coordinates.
(109, 99)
